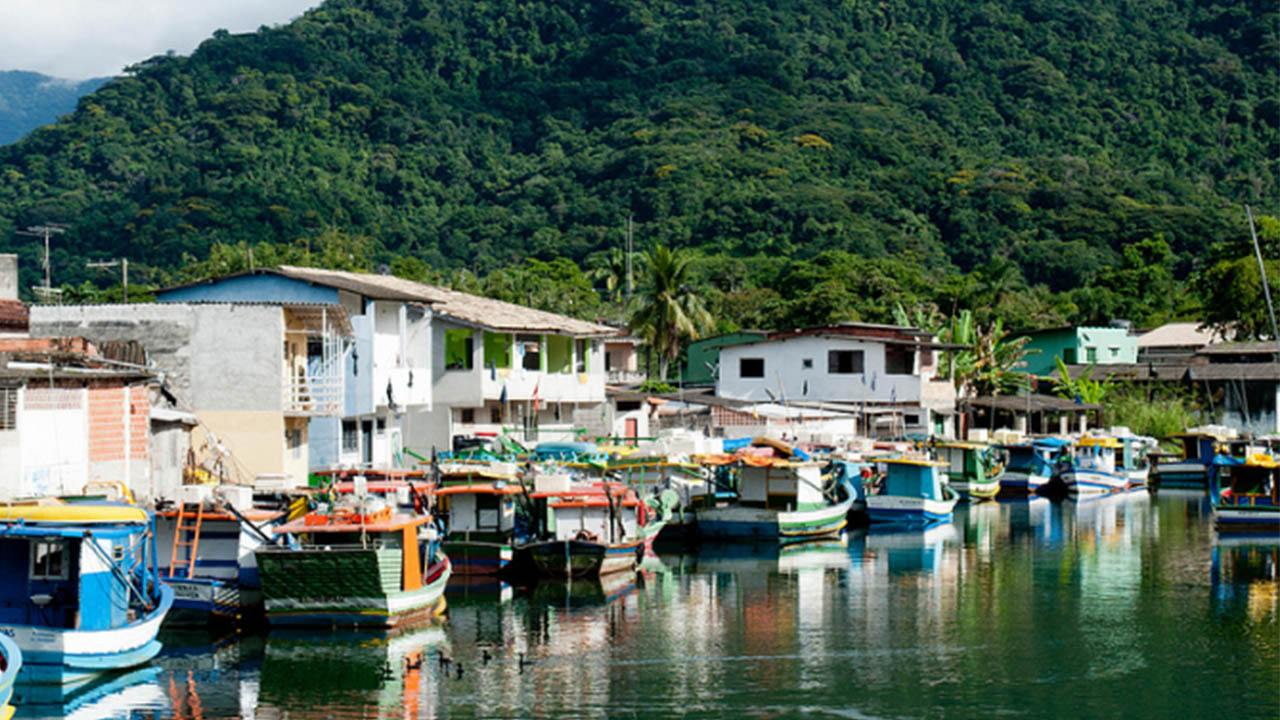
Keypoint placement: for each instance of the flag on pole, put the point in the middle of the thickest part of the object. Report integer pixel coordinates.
(493, 371)
(537, 404)
(503, 398)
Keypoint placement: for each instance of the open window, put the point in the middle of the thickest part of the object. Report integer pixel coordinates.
(751, 367)
(497, 350)
(49, 560)
(531, 349)
(459, 349)
(844, 362)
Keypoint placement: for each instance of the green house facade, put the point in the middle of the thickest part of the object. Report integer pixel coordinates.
(1079, 346)
(704, 355)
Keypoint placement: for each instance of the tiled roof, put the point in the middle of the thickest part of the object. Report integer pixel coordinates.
(471, 309)
(1182, 334)
(14, 316)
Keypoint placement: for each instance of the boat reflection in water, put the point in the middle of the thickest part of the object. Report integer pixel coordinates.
(907, 548)
(1245, 578)
(352, 674)
(106, 697)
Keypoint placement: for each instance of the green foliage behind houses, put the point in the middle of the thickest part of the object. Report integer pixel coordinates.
(1042, 162)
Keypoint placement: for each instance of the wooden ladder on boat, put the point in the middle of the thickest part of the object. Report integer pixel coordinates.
(193, 543)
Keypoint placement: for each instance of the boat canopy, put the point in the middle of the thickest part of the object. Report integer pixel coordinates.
(913, 478)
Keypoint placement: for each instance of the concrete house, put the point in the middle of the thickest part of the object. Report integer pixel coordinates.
(69, 422)
(429, 363)
(703, 355)
(254, 374)
(1079, 345)
(885, 373)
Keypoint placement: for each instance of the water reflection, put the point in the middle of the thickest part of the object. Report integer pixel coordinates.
(1032, 605)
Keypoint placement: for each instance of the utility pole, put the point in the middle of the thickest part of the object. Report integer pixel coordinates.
(124, 271)
(1262, 272)
(45, 231)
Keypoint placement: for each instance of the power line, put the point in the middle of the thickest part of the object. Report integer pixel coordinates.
(124, 271)
(44, 231)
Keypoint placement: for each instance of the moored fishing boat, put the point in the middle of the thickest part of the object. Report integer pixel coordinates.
(912, 491)
(477, 502)
(82, 595)
(973, 469)
(1245, 494)
(206, 554)
(589, 530)
(10, 664)
(781, 500)
(1103, 465)
(357, 564)
(1030, 466)
(1192, 469)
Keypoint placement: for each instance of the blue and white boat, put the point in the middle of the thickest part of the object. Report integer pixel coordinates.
(1105, 465)
(784, 501)
(10, 664)
(1030, 466)
(913, 492)
(81, 594)
(1245, 493)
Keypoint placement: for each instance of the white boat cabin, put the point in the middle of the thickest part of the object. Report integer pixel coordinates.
(782, 486)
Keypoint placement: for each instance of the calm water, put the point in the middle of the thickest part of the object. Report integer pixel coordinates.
(1122, 606)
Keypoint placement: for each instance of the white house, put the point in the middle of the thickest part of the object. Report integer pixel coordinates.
(884, 373)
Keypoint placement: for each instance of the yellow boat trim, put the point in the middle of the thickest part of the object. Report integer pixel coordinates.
(74, 513)
(963, 445)
(6, 712)
(912, 461)
(1106, 442)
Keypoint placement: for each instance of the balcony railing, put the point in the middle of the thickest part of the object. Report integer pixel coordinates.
(625, 377)
(314, 395)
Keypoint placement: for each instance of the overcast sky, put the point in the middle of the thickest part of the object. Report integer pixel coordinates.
(78, 39)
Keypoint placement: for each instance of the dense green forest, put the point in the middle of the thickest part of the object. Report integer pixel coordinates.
(29, 100)
(1038, 161)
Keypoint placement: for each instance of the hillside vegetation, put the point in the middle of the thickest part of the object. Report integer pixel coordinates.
(1048, 162)
(29, 100)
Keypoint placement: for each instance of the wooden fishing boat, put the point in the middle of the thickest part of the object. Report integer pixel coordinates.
(780, 500)
(1030, 466)
(1103, 465)
(361, 564)
(589, 530)
(973, 469)
(477, 503)
(206, 552)
(81, 594)
(1246, 494)
(10, 664)
(1192, 469)
(913, 491)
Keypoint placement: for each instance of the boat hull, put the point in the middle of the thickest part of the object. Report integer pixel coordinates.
(1181, 474)
(582, 558)
(1015, 483)
(198, 600)
(913, 510)
(57, 656)
(475, 557)
(981, 490)
(736, 522)
(1092, 482)
(12, 657)
(323, 588)
(1259, 515)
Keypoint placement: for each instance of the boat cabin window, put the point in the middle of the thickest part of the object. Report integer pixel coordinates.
(844, 362)
(49, 560)
(751, 367)
(807, 363)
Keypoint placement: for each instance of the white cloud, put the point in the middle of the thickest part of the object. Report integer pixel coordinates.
(93, 38)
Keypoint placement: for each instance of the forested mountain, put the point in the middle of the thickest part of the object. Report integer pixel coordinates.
(1048, 161)
(29, 100)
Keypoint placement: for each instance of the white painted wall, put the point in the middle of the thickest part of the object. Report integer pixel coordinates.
(53, 441)
(786, 376)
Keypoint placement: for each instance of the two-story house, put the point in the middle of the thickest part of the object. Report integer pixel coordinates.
(254, 374)
(430, 363)
(873, 370)
(1079, 345)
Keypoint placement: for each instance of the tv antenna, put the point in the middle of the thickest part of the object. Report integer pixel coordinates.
(45, 231)
(124, 271)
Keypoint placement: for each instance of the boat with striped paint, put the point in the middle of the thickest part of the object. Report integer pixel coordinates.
(781, 500)
(973, 469)
(912, 491)
(1245, 494)
(10, 664)
(81, 595)
(354, 566)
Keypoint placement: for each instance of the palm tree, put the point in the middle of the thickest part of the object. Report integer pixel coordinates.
(666, 308)
(987, 363)
(608, 267)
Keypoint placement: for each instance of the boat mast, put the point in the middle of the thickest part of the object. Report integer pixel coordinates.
(1262, 271)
